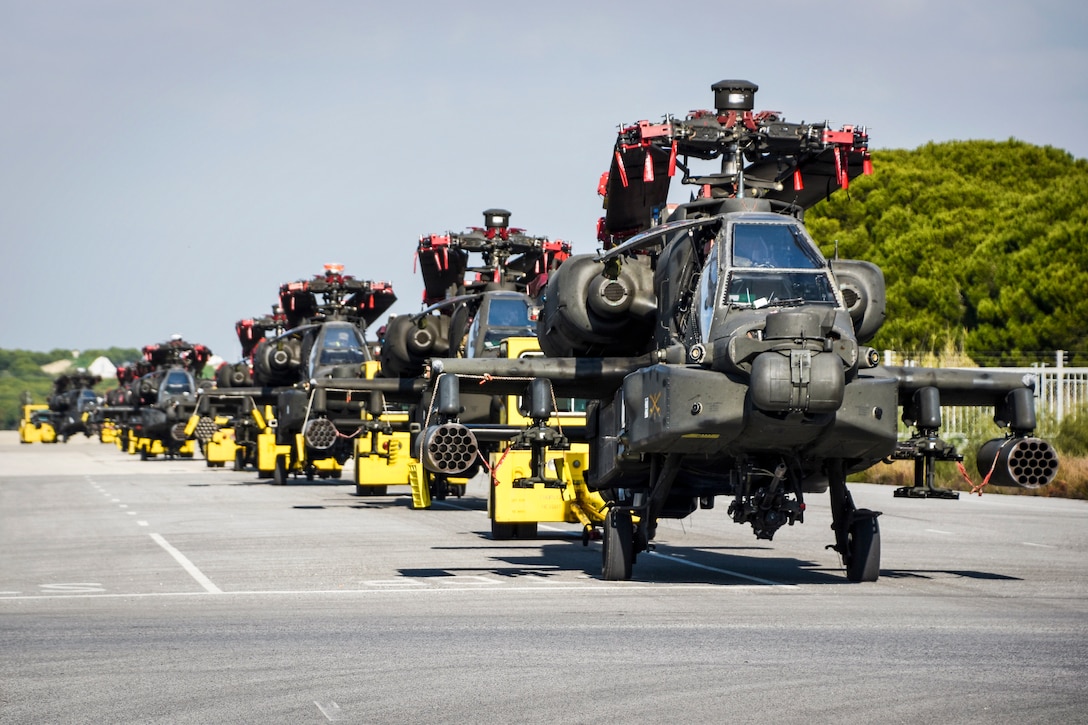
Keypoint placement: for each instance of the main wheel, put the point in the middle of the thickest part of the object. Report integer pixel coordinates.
(370, 490)
(618, 552)
(863, 544)
(279, 475)
(240, 459)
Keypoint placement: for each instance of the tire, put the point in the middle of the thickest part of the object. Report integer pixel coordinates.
(618, 552)
(240, 459)
(526, 530)
(279, 475)
(864, 547)
(370, 490)
(502, 532)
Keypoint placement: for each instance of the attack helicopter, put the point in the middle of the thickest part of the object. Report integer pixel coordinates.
(73, 402)
(480, 287)
(230, 417)
(310, 428)
(724, 355)
(155, 399)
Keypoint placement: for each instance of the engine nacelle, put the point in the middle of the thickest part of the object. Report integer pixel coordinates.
(1025, 462)
(862, 285)
(278, 362)
(237, 375)
(587, 313)
(408, 344)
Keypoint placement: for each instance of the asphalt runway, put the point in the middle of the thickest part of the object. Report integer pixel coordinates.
(163, 591)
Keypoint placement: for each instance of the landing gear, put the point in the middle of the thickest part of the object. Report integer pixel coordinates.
(863, 543)
(857, 531)
(370, 490)
(240, 459)
(618, 552)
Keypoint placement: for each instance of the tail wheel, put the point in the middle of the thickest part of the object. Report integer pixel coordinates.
(618, 552)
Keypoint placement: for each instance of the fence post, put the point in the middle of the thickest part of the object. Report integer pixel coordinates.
(1059, 384)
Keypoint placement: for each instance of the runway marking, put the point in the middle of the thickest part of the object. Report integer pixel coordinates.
(329, 709)
(586, 589)
(1041, 546)
(187, 565)
(131, 513)
(737, 574)
(72, 587)
(938, 531)
(463, 579)
(394, 582)
(141, 523)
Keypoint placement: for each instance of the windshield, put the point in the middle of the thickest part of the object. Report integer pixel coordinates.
(508, 313)
(341, 345)
(777, 246)
(177, 382)
(756, 289)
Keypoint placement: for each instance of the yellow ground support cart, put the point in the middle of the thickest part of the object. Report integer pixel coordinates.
(382, 457)
(278, 461)
(109, 432)
(35, 425)
(520, 496)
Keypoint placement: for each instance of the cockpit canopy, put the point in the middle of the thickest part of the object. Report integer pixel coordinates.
(338, 343)
(502, 314)
(176, 383)
(762, 261)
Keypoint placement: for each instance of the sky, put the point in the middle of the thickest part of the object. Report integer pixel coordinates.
(166, 166)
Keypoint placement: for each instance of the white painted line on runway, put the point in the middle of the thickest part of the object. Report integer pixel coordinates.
(131, 513)
(1041, 546)
(587, 589)
(737, 574)
(394, 582)
(187, 565)
(467, 579)
(141, 523)
(938, 531)
(330, 710)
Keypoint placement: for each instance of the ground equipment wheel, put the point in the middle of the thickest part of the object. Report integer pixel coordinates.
(279, 475)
